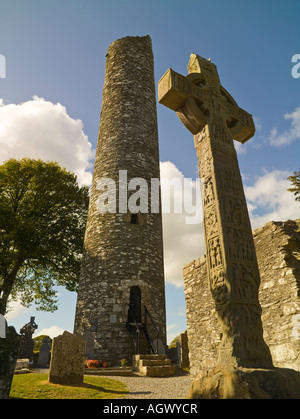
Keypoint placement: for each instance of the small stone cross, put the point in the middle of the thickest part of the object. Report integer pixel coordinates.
(215, 119)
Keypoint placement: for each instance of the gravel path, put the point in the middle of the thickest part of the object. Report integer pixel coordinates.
(141, 387)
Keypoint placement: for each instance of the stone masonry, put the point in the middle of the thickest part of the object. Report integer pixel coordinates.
(123, 252)
(278, 253)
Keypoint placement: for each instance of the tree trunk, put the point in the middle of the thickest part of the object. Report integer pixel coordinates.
(5, 293)
(7, 286)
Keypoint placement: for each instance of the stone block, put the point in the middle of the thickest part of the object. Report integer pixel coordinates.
(243, 383)
(153, 365)
(22, 364)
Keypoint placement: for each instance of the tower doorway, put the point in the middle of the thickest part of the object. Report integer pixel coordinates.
(135, 305)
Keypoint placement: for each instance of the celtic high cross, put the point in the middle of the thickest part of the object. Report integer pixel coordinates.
(214, 118)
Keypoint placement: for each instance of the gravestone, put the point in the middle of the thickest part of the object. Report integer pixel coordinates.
(159, 347)
(67, 359)
(26, 345)
(178, 353)
(9, 347)
(22, 365)
(214, 118)
(89, 342)
(44, 352)
(184, 350)
(2, 326)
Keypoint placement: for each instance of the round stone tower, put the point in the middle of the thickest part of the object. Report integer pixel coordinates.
(121, 286)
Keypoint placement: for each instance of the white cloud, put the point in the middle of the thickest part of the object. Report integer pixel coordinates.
(257, 123)
(15, 310)
(42, 129)
(51, 331)
(172, 334)
(269, 200)
(243, 148)
(182, 242)
(240, 148)
(289, 136)
(171, 327)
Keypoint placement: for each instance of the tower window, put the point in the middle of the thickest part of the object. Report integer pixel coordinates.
(137, 219)
(134, 219)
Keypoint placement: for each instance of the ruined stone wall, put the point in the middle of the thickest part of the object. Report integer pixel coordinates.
(119, 254)
(278, 253)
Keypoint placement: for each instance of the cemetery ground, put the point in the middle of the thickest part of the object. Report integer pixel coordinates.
(36, 386)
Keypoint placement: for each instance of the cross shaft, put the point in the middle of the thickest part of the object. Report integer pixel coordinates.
(212, 115)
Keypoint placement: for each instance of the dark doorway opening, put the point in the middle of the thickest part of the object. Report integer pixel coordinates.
(134, 219)
(135, 305)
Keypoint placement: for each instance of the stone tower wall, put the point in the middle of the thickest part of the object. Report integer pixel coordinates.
(278, 253)
(118, 254)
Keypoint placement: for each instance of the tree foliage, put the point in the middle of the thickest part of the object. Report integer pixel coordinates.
(38, 341)
(42, 221)
(295, 180)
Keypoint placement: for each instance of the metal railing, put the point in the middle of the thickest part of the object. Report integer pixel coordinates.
(135, 340)
(135, 334)
(147, 314)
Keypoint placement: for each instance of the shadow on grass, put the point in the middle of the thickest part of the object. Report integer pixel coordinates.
(38, 386)
(88, 386)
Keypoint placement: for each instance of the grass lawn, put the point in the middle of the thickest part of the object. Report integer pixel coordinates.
(36, 386)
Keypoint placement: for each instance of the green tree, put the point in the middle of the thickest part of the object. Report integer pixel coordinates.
(42, 221)
(39, 340)
(295, 180)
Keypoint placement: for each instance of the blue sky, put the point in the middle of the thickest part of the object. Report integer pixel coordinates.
(55, 50)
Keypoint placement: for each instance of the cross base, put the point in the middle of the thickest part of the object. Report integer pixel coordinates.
(246, 383)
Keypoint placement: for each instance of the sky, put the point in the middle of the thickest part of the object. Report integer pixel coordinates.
(52, 64)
